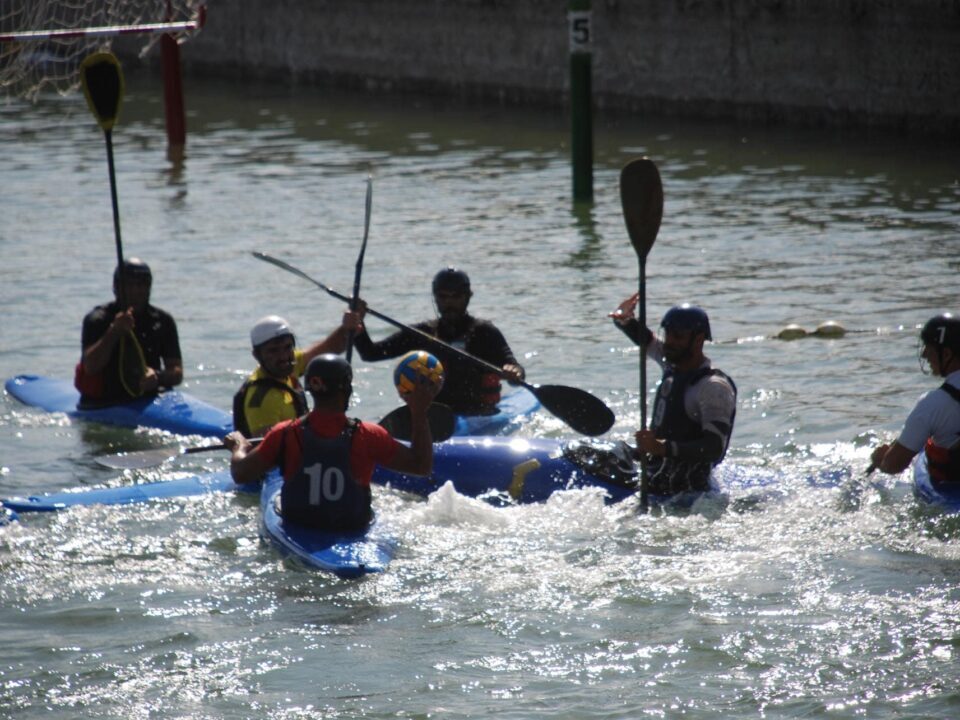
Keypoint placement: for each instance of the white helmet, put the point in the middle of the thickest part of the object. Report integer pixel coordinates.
(268, 328)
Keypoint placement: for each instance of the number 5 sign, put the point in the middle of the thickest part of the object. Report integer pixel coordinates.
(581, 33)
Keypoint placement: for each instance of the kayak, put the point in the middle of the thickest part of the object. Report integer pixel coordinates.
(507, 470)
(940, 496)
(182, 414)
(127, 494)
(497, 469)
(512, 409)
(347, 555)
(174, 411)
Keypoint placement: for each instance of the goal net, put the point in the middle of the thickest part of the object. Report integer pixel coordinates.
(43, 42)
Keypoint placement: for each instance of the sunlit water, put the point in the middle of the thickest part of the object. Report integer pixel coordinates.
(836, 599)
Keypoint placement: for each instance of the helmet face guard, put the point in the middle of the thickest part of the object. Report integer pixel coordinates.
(687, 317)
(941, 332)
(134, 269)
(451, 280)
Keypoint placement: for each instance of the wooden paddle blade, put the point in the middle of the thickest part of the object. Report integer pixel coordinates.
(440, 417)
(579, 409)
(102, 82)
(641, 196)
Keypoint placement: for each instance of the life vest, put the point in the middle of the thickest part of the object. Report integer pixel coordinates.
(263, 386)
(490, 389)
(671, 422)
(944, 463)
(322, 493)
(89, 385)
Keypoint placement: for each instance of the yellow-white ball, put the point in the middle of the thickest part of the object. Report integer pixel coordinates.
(417, 368)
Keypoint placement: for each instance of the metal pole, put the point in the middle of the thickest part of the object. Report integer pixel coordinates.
(580, 18)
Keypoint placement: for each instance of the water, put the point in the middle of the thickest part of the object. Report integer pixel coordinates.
(824, 601)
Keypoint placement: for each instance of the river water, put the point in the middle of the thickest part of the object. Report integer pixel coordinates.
(827, 600)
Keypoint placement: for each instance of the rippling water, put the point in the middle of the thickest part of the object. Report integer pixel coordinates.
(818, 600)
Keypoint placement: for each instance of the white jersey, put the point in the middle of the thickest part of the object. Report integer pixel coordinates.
(937, 416)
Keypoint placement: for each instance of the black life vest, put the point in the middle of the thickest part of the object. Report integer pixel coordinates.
(944, 463)
(671, 422)
(263, 386)
(322, 493)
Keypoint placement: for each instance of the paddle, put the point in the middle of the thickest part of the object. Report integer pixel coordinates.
(440, 417)
(579, 409)
(641, 196)
(359, 268)
(102, 81)
(142, 459)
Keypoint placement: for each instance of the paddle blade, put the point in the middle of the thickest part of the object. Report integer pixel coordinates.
(102, 82)
(440, 417)
(641, 196)
(579, 409)
(138, 460)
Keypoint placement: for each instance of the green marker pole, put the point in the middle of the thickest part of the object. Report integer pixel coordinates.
(581, 103)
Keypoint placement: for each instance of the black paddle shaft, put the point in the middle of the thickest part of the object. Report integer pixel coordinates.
(641, 197)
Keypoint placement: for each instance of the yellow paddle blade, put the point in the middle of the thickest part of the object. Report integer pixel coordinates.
(102, 81)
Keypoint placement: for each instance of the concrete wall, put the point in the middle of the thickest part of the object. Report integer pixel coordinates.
(893, 63)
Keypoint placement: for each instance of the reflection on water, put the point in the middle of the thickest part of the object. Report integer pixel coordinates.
(829, 596)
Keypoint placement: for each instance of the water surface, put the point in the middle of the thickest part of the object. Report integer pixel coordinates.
(818, 601)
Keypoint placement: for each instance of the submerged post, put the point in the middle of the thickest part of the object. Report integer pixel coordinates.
(581, 101)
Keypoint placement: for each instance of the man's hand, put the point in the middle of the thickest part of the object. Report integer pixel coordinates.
(513, 373)
(625, 312)
(648, 443)
(150, 381)
(235, 441)
(122, 323)
(419, 399)
(353, 319)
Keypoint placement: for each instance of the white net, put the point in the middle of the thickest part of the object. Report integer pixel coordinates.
(42, 42)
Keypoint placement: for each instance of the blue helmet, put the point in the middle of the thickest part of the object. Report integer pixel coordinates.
(687, 317)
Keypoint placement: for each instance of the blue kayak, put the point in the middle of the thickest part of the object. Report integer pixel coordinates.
(514, 407)
(943, 497)
(174, 411)
(513, 470)
(498, 469)
(346, 555)
(127, 494)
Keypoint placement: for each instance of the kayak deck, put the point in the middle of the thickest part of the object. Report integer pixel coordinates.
(348, 555)
(173, 411)
(514, 407)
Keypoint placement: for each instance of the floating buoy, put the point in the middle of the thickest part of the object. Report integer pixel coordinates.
(830, 329)
(791, 332)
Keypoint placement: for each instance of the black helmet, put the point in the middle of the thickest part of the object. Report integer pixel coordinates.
(327, 374)
(942, 331)
(452, 280)
(687, 317)
(133, 268)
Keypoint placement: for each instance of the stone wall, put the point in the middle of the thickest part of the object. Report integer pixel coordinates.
(893, 63)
